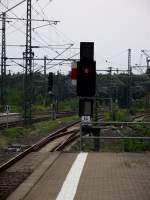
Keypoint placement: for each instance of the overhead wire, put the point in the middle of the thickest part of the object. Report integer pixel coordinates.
(56, 56)
(56, 31)
(60, 63)
(33, 4)
(44, 15)
(20, 30)
(59, 36)
(119, 54)
(21, 21)
(38, 35)
(9, 9)
(41, 9)
(38, 13)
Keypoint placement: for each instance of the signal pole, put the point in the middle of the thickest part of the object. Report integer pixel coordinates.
(110, 89)
(148, 66)
(45, 81)
(129, 61)
(3, 62)
(28, 55)
(129, 77)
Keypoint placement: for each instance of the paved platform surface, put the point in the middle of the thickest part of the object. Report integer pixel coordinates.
(10, 117)
(104, 176)
(110, 176)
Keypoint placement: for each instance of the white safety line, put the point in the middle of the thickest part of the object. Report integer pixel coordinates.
(71, 182)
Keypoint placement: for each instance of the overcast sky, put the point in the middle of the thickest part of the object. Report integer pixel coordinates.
(113, 25)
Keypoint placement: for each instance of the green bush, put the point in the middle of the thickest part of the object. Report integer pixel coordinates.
(136, 145)
(140, 106)
(122, 115)
(15, 133)
(69, 105)
(39, 108)
(117, 115)
(37, 130)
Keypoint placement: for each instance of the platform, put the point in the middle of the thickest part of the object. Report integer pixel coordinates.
(10, 117)
(90, 176)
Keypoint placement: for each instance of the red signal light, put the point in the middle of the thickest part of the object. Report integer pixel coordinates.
(86, 78)
(86, 70)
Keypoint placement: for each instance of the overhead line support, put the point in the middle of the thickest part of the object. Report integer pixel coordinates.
(36, 20)
(3, 64)
(45, 80)
(28, 56)
(12, 7)
(129, 77)
(48, 59)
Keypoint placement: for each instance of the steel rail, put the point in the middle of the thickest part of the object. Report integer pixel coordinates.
(67, 141)
(117, 137)
(37, 146)
(35, 119)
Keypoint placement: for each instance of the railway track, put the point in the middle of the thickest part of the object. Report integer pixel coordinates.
(51, 137)
(36, 118)
(140, 117)
(16, 170)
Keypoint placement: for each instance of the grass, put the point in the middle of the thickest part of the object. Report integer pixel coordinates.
(3, 141)
(117, 115)
(136, 145)
(140, 106)
(48, 126)
(37, 130)
(126, 145)
(69, 104)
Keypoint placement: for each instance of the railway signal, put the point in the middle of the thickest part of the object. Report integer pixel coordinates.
(86, 78)
(50, 82)
(86, 107)
(86, 71)
(87, 50)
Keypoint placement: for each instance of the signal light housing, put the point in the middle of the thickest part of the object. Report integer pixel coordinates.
(50, 82)
(86, 107)
(86, 78)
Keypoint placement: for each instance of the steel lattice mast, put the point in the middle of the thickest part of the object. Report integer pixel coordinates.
(3, 61)
(129, 77)
(28, 56)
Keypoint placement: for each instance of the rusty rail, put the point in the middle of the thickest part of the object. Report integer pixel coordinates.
(37, 146)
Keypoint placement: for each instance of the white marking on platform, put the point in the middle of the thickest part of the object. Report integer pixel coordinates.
(71, 182)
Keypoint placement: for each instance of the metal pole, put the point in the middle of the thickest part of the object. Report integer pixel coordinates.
(53, 108)
(80, 137)
(148, 65)
(6, 119)
(28, 69)
(96, 141)
(129, 77)
(3, 62)
(45, 81)
(110, 93)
